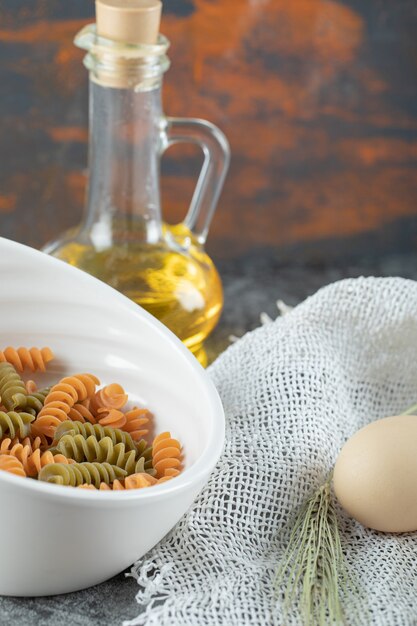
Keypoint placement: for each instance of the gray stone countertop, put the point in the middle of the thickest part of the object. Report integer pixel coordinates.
(252, 285)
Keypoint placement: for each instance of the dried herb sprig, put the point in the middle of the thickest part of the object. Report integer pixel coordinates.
(314, 569)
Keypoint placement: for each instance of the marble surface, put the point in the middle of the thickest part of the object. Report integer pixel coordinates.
(252, 285)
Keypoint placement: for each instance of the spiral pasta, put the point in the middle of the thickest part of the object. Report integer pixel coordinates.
(171, 472)
(34, 442)
(113, 418)
(61, 399)
(166, 454)
(9, 446)
(81, 413)
(75, 435)
(13, 424)
(27, 358)
(98, 431)
(11, 464)
(109, 397)
(78, 473)
(104, 451)
(35, 401)
(137, 421)
(12, 388)
(139, 481)
(145, 451)
(6, 445)
(135, 481)
(37, 441)
(33, 460)
(38, 459)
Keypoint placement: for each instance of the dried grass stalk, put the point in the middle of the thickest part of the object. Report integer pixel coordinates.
(314, 570)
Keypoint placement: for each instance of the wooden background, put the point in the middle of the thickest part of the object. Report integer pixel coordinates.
(318, 99)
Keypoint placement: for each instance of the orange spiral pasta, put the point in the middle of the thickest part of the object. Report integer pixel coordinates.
(166, 454)
(103, 486)
(83, 384)
(169, 473)
(11, 464)
(135, 481)
(32, 459)
(139, 481)
(37, 442)
(34, 442)
(6, 445)
(81, 413)
(137, 421)
(109, 397)
(61, 399)
(27, 358)
(113, 418)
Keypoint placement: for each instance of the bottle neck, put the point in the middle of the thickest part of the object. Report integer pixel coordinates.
(125, 133)
(123, 192)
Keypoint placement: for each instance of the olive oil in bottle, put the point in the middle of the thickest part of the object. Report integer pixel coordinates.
(180, 288)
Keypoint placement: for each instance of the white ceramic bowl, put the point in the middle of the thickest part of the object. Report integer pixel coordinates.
(60, 539)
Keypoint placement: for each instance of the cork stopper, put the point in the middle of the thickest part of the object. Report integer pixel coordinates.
(129, 21)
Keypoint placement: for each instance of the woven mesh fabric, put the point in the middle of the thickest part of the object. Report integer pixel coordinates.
(293, 391)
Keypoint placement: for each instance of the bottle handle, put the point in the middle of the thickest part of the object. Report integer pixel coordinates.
(213, 173)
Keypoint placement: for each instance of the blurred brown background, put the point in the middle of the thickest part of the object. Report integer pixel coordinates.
(318, 99)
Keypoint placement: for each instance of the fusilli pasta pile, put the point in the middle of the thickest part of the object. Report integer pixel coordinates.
(76, 434)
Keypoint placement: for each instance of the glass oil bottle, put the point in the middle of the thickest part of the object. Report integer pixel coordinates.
(123, 239)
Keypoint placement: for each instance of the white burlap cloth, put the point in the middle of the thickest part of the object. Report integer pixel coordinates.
(293, 392)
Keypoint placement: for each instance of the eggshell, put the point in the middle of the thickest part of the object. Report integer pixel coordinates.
(375, 476)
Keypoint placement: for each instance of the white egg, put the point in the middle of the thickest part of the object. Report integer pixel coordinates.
(375, 476)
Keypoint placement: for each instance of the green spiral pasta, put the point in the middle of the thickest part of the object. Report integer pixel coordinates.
(96, 430)
(105, 451)
(81, 473)
(12, 388)
(146, 452)
(35, 401)
(15, 424)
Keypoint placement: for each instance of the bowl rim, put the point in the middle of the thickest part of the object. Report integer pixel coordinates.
(193, 476)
